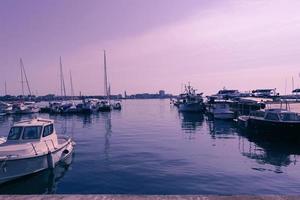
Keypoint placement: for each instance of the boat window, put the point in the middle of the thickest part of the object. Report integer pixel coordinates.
(48, 130)
(32, 132)
(15, 133)
(272, 116)
(289, 117)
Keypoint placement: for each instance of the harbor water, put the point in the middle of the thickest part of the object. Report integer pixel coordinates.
(150, 148)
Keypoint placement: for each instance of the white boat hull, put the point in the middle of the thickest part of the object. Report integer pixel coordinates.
(13, 168)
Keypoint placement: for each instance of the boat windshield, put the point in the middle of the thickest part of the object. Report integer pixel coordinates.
(15, 133)
(272, 116)
(32, 132)
(289, 117)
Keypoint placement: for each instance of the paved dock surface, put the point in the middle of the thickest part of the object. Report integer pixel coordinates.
(144, 197)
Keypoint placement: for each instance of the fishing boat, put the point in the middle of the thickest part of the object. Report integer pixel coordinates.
(280, 122)
(220, 109)
(190, 101)
(32, 146)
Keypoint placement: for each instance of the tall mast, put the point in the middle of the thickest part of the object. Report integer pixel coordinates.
(22, 77)
(105, 78)
(23, 72)
(72, 88)
(62, 81)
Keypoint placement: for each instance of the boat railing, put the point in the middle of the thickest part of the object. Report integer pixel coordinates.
(34, 148)
(46, 144)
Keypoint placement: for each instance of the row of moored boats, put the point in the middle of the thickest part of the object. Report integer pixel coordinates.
(249, 113)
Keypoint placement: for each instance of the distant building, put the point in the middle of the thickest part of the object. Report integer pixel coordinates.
(162, 93)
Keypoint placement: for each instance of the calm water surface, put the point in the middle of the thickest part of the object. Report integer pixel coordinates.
(149, 148)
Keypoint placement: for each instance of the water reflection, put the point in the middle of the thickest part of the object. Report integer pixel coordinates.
(44, 182)
(190, 122)
(266, 151)
(107, 134)
(222, 129)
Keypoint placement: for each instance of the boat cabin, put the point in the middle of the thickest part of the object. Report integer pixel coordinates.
(276, 115)
(31, 131)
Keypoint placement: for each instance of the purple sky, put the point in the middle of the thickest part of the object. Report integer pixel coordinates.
(150, 44)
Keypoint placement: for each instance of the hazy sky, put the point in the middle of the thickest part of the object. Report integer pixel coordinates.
(150, 44)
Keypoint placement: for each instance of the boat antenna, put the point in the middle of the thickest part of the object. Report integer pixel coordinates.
(62, 81)
(23, 72)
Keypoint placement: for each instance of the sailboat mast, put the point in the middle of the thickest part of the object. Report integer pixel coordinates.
(62, 81)
(105, 78)
(72, 88)
(22, 77)
(26, 79)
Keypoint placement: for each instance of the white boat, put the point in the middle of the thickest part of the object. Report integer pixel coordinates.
(220, 109)
(25, 108)
(32, 146)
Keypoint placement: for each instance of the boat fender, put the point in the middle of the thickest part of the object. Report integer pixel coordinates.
(66, 151)
(50, 160)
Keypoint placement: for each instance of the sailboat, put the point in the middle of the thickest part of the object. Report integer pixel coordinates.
(105, 105)
(71, 107)
(60, 106)
(24, 107)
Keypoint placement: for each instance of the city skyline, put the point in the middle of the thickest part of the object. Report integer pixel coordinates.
(150, 45)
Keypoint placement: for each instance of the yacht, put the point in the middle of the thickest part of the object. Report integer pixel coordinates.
(32, 146)
(190, 101)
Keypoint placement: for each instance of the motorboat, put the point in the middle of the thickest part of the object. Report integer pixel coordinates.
(190, 101)
(32, 146)
(220, 109)
(281, 122)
